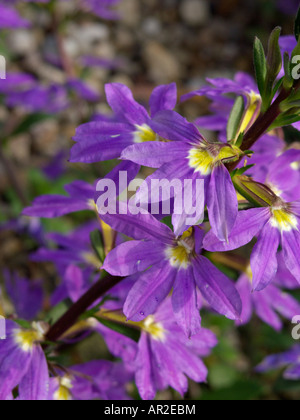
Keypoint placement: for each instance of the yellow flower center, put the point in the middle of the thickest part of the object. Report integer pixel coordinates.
(63, 393)
(179, 255)
(155, 329)
(27, 339)
(144, 133)
(203, 161)
(283, 220)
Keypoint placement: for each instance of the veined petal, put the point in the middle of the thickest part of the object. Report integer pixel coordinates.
(149, 291)
(243, 287)
(263, 259)
(35, 384)
(163, 97)
(217, 289)
(184, 301)
(291, 251)
(140, 226)
(265, 311)
(222, 202)
(132, 257)
(172, 126)
(155, 154)
(164, 358)
(247, 225)
(121, 101)
(93, 150)
(143, 369)
(52, 206)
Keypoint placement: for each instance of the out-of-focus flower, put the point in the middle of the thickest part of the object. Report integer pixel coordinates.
(289, 359)
(26, 295)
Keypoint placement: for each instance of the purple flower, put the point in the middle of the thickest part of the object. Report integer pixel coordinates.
(190, 157)
(274, 225)
(165, 261)
(265, 303)
(281, 173)
(81, 197)
(105, 140)
(99, 379)
(163, 356)
(23, 363)
(26, 295)
(83, 90)
(102, 8)
(10, 18)
(291, 359)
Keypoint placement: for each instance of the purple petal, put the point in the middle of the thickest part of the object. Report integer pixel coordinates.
(291, 252)
(35, 384)
(263, 259)
(149, 291)
(155, 154)
(140, 226)
(132, 257)
(265, 311)
(92, 150)
(184, 301)
(122, 103)
(217, 289)
(172, 126)
(163, 97)
(247, 225)
(243, 287)
(143, 370)
(51, 206)
(222, 203)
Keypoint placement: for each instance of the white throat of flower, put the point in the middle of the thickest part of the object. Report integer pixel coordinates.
(26, 339)
(283, 219)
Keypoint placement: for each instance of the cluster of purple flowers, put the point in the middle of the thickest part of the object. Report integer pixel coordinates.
(167, 263)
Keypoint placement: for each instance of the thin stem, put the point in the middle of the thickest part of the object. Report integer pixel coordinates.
(78, 308)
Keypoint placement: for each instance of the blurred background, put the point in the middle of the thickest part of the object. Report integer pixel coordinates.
(153, 42)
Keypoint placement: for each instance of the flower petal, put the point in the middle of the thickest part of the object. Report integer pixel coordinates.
(149, 291)
(247, 225)
(217, 289)
(172, 126)
(121, 101)
(184, 301)
(163, 97)
(291, 252)
(264, 263)
(132, 257)
(222, 203)
(35, 384)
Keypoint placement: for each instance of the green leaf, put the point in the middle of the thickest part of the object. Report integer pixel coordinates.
(56, 312)
(120, 328)
(23, 323)
(97, 243)
(297, 26)
(30, 121)
(284, 120)
(260, 65)
(235, 118)
(274, 57)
